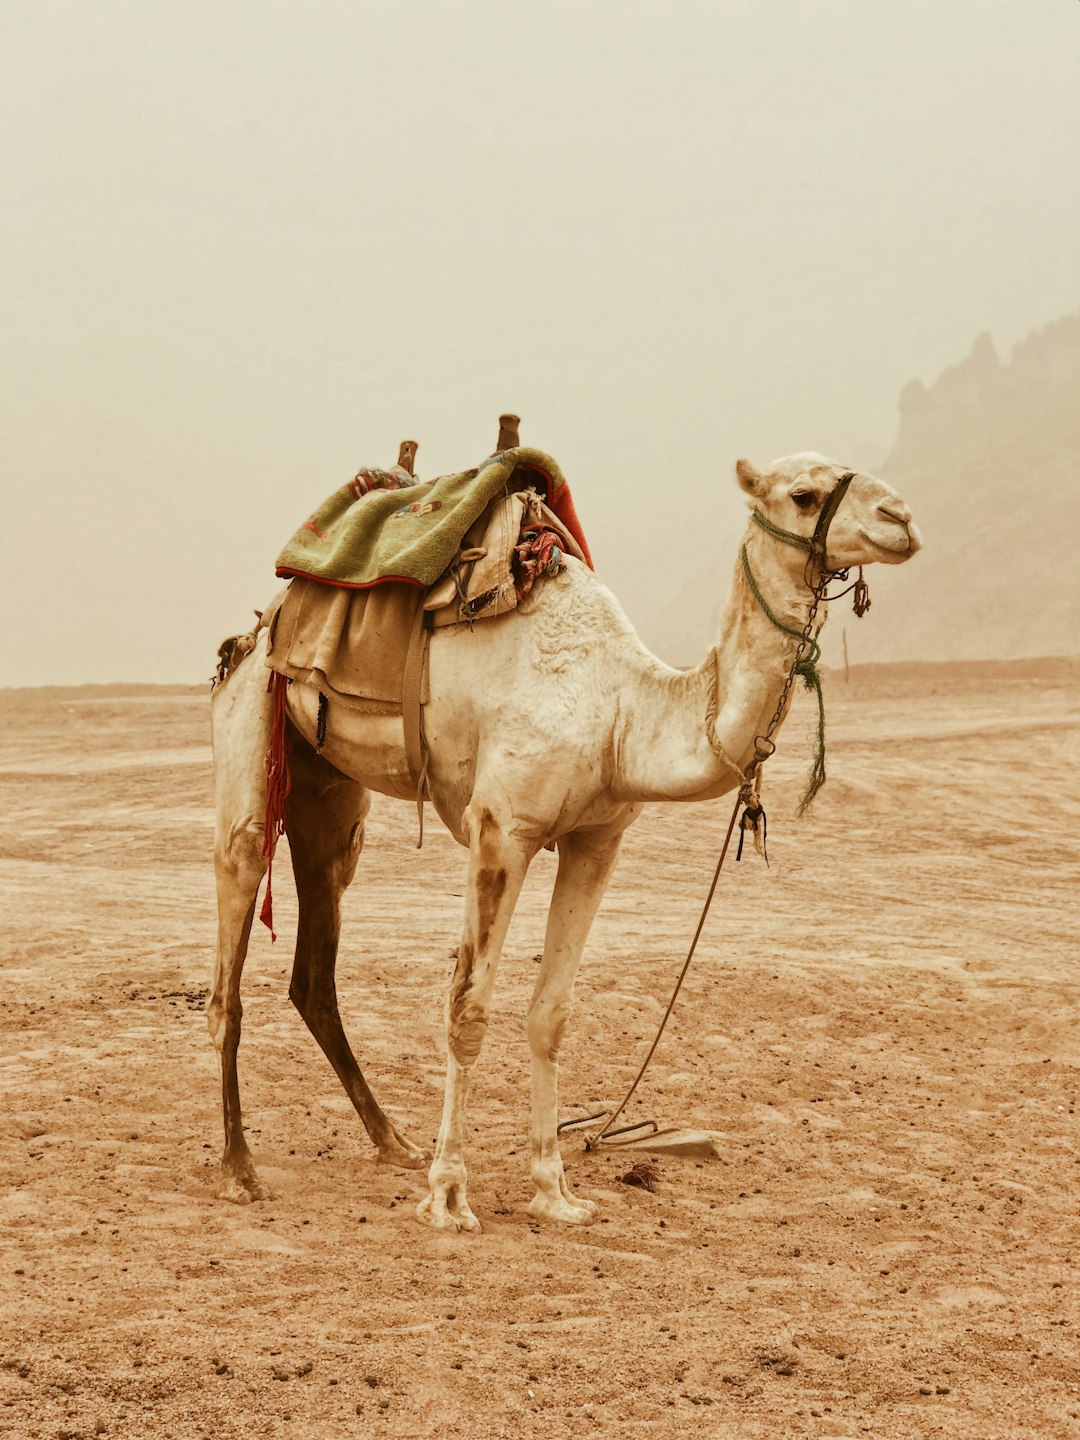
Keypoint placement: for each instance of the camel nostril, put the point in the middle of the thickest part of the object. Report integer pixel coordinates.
(895, 510)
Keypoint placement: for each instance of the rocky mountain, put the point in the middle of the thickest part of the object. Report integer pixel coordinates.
(988, 457)
(989, 460)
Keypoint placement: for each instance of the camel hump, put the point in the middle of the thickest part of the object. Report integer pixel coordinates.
(509, 438)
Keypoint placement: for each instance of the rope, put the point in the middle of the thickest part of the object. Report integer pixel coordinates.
(711, 711)
(787, 536)
(594, 1140)
(806, 668)
(815, 652)
(807, 655)
(278, 785)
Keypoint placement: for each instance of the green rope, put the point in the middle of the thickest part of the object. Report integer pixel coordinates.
(806, 669)
(787, 536)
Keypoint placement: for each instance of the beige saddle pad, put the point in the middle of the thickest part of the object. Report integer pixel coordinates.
(350, 644)
(354, 645)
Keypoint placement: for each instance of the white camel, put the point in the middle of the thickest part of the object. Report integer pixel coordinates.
(552, 724)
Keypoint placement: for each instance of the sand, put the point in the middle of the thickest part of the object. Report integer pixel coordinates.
(882, 1027)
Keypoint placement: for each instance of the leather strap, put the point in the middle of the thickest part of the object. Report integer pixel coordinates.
(411, 711)
(820, 541)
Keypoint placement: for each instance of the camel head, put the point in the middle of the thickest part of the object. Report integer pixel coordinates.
(871, 522)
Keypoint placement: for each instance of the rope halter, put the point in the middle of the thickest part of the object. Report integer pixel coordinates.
(816, 545)
(808, 651)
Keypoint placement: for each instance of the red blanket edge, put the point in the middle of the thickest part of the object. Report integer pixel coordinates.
(285, 573)
(562, 503)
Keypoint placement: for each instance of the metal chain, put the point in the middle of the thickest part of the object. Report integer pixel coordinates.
(807, 639)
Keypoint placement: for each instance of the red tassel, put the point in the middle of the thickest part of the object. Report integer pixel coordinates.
(266, 914)
(278, 784)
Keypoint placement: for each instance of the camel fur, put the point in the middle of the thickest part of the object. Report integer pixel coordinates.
(550, 725)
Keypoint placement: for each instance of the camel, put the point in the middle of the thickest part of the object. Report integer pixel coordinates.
(550, 726)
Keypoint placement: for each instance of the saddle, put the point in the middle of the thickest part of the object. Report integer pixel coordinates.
(372, 577)
(353, 645)
(373, 531)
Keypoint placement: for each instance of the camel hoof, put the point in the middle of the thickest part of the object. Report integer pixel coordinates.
(242, 1191)
(434, 1212)
(403, 1154)
(567, 1212)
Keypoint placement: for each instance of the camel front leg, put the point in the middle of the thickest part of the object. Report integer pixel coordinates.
(586, 860)
(497, 865)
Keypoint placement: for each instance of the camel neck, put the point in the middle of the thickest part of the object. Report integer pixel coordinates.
(665, 742)
(775, 580)
(761, 630)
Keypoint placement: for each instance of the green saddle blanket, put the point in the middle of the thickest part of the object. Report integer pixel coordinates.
(364, 536)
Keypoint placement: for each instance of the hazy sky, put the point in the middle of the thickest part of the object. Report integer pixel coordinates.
(247, 247)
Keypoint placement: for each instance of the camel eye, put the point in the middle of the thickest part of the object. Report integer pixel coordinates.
(805, 499)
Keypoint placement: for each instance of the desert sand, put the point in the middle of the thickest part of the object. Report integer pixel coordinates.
(882, 1027)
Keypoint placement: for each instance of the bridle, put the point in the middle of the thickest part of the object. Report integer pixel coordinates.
(817, 576)
(817, 543)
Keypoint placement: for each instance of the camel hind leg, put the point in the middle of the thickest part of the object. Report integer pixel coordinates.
(325, 826)
(241, 717)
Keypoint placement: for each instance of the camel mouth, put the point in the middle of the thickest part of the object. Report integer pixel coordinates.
(900, 544)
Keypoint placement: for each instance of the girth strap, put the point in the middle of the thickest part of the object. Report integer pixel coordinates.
(411, 709)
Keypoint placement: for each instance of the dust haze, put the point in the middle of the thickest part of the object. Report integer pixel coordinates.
(248, 248)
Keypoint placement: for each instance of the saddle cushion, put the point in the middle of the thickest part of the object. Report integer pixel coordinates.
(350, 644)
(362, 537)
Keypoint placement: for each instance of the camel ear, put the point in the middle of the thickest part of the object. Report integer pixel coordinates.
(750, 479)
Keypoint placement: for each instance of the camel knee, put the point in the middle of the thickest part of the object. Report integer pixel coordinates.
(546, 1028)
(223, 1021)
(325, 861)
(467, 1028)
(300, 995)
(215, 1018)
(317, 1010)
(341, 871)
(238, 856)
